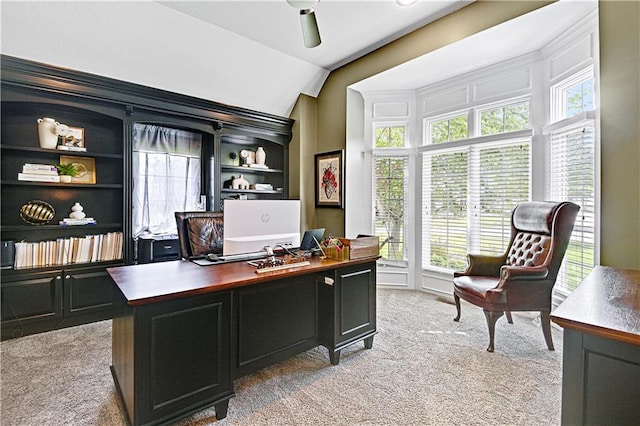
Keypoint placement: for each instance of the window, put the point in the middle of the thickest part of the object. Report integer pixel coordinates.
(573, 179)
(572, 157)
(449, 129)
(507, 118)
(469, 192)
(390, 196)
(390, 137)
(469, 195)
(444, 186)
(166, 177)
(390, 164)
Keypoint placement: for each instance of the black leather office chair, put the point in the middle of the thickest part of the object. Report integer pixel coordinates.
(199, 233)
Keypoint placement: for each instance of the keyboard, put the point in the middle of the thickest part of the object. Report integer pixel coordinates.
(281, 267)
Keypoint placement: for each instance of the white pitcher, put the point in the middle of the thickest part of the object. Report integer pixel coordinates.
(47, 132)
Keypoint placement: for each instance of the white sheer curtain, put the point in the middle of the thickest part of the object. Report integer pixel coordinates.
(166, 177)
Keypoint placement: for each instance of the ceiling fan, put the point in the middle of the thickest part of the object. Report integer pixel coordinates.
(310, 33)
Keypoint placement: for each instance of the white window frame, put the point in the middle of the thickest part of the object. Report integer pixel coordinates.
(559, 124)
(406, 152)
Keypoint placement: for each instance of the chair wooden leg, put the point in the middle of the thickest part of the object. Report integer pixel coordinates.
(492, 317)
(545, 320)
(456, 298)
(509, 319)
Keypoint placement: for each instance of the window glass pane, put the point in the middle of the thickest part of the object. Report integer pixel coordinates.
(449, 129)
(390, 197)
(390, 137)
(444, 241)
(579, 98)
(507, 118)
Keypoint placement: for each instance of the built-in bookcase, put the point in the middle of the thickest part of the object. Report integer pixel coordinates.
(46, 296)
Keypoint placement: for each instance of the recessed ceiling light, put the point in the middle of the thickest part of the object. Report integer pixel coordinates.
(405, 2)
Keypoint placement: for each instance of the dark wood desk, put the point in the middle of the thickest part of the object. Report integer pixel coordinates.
(182, 332)
(601, 358)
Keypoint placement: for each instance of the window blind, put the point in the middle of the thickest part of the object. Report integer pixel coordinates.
(468, 197)
(444, 194)
(501, 180)
(572, 170)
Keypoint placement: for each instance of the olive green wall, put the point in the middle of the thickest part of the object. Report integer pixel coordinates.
(301, 178)
(620, 133)
(620, 93)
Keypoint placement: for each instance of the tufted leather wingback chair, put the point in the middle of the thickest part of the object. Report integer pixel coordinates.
(199, 233)
(523, 277)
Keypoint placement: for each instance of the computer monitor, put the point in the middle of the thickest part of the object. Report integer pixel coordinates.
(250, 225)
(308, 242)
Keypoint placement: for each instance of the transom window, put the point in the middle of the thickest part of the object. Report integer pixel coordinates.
(507, 118)
(390, 137)
(449, 129)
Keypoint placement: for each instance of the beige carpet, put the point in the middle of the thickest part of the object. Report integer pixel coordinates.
(424, 369)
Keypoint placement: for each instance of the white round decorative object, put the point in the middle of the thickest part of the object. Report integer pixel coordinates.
(62, 130)
(47, 132)
(261, 156)
(76, 212)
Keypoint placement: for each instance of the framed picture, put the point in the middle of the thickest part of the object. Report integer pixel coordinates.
(86, 168)
(74, 138)
(329, 179)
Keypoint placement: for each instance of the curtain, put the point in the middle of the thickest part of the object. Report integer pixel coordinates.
(166, 177)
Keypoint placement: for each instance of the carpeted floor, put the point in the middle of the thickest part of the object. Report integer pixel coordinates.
(424, 369)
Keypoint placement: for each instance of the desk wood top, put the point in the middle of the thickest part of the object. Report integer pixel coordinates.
(606, 304)
(156, 282)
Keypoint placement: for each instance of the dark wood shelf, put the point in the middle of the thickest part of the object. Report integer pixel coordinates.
(60, 152)
(248, 169)
(68, 266)
(251, 191)
(64, 185)
(29, 228)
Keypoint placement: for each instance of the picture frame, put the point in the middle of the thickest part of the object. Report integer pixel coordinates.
(86, 166)
(329, 179)
(74, 138)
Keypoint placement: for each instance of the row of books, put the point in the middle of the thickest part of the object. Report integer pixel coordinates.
(39, 173)
(66, 251)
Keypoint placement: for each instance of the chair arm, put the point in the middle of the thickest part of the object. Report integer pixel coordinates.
(488, 266)
(522, 273)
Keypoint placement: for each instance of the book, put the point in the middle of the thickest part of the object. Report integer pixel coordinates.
(39, 169)
(71, 148)
(34, 177)
(67, 221)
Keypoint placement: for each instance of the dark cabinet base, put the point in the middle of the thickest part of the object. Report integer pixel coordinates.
(176, 357)
(36, 302)
(600, 381)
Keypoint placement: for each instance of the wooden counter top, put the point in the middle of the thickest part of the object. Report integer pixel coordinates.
(606, 304)
(155, 282)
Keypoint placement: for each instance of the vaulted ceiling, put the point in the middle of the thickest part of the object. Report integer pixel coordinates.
(244, 53)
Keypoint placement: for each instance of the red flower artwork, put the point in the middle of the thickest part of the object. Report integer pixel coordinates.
(329, 182)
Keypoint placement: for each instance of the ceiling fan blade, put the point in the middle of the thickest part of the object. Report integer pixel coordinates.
(310, 32)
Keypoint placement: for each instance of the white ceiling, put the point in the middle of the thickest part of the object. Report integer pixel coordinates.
(250, 53)
(348, 29)
(508, 40)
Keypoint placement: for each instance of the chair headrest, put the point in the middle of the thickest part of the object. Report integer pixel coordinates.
(535, 216)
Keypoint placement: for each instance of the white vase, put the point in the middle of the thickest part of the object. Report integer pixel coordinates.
(65, 178)
(76, 212)
(47, 132)
(261, 156)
